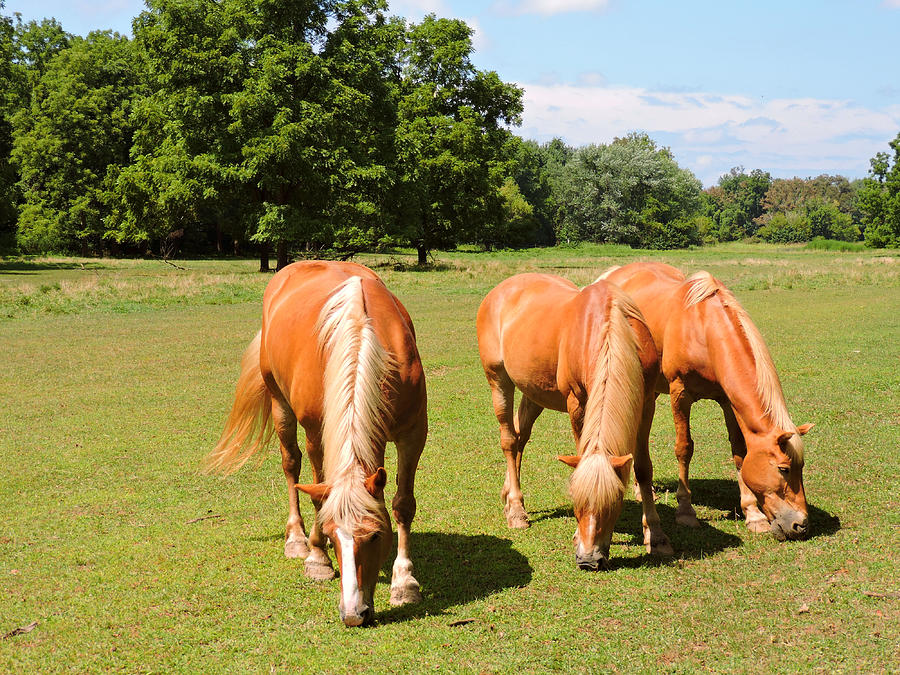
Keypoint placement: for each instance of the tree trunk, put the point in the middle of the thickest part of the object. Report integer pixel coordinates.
(220, 243)
(263, 257)
(423, 254)
(282, 255)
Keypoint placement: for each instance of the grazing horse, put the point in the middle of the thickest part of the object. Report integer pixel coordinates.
(710, 348)
(336, 353)
(586, 352)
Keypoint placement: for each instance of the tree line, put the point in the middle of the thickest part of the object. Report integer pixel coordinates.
(330, 127)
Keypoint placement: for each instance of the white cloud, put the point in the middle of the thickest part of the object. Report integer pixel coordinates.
(893, 4)
(548, 7)
(711, 133)
(480, 40)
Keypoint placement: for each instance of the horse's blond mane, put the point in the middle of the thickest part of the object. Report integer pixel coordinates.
(613, 409)
(355, 423)
(703, 285)
(606, 274)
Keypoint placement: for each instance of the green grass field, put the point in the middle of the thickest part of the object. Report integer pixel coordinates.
(116, 379)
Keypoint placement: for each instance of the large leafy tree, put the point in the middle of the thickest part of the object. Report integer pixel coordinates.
(879, 199)
(71, 141)
(271, 117)
(450, 134)
(194, 58)
(8, 104)
(314, 120)
(629, 192)
(532, 175)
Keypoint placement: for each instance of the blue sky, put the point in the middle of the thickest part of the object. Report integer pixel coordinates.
(794, 87)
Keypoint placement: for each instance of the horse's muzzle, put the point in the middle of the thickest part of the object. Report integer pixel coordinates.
(593, 561)
(364, 617)
(790, 524)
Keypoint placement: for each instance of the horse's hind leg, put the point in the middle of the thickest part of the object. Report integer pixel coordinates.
(295, 545)
(404, 587)
(755, 519)
(502, 392)
(655, 539)
(684, 451)
(525, 418)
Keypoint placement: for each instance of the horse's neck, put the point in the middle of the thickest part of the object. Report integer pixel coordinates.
(735, 369)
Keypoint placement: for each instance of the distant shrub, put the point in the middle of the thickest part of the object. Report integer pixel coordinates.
(786, 228)
(822, 244)
(679, 233)
(826, 220)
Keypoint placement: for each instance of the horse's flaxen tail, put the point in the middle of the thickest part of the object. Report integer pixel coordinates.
(248, 428)
(355, 421)
(613, 410)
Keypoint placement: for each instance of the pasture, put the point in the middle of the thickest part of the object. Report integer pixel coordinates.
(116, 379)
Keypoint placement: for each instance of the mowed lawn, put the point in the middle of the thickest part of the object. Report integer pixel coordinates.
(116, 378)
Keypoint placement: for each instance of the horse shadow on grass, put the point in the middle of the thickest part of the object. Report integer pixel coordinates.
(723, 495)
(455, 569)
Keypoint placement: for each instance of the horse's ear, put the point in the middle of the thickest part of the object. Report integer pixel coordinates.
(318, 491)
(571, 460)
(376, 482)
(618, 461)
(803, 429)
(784, 437)
(622, 465)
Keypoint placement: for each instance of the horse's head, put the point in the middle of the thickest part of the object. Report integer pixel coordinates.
(360, 552)
(773, 471)
(598, 490)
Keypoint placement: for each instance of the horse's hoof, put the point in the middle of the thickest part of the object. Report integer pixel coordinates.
(296, 549)
(318, 570)
(687, 519)
(759, 526)
(405, 595)
(518, 521)
(516, 517)
(661, 548)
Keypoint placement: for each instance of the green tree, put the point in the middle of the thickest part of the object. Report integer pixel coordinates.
(72, 139)
(517, 225)
(450, 137)
(532, 177)
(629, 192)
(275, 119)
(827, 220)
(194, 59)
(878, 199)
(742, 202)
(8, 105)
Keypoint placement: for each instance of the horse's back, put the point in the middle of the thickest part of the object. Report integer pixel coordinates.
(290, 356)
(519, 325)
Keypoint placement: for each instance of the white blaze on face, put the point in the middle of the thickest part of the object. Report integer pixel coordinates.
(349, 587)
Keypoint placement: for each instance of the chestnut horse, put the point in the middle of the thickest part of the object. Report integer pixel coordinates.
(336, 353)
(710, 349)
(586, 352)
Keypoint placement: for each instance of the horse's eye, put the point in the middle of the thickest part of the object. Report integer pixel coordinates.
(784, 470)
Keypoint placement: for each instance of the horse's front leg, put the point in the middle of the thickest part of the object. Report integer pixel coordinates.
(754, 518)
(295, 543)
(404, 587)
(655, 539)
(318, 565)
(502, 393)
(684, 450)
